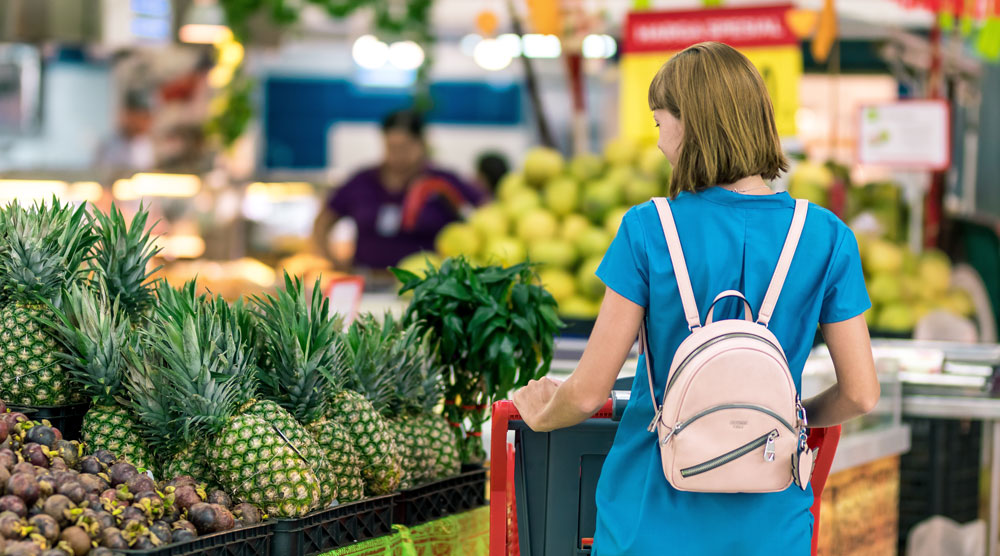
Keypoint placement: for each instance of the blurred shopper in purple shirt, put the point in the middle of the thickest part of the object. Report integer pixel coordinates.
(400, 205)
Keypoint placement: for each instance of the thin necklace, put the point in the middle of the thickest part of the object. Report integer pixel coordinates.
(748, 189)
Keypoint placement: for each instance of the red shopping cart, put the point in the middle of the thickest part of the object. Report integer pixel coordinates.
(564, 465)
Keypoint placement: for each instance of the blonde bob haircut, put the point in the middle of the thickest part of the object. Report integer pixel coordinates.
(726, 114)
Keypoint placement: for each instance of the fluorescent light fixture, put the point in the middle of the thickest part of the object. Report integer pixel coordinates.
(541, 46)
(80, 191)
(31, 190)
(512, 43)
(369, 52)
(204, 23)
(406, 55)
(599, 46)
(491, 55)
(156, 185)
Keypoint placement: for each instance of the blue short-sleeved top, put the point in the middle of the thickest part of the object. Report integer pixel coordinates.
(730, 241)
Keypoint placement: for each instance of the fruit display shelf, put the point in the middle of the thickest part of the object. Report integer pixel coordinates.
(441, 498)
(67, 418)
(326, 530)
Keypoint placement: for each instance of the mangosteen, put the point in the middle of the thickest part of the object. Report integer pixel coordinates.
(161, 530)
(68, 451)
(105, 457)
(57, 507)
(22, 548)
(56, 552)
(121, 472)
(132, 513)
(45, 526)
(183, 525)
(109, 495)
(41, 434)
(77, 540)
(34, 454)
(100, 551)
(24, 467)
(106, 519)
(111, 537)
(4, 430)
(4, 477)
(11, 525)
(7, 458)
(171, 513)
(183, 535)
(92, 465)
(56, 432)
(211, 518)
(24, 486)
(219, 497)
(73, 490)
(11, 503)
(151, 503)
(186, 496)
(140, 483)
(92, 484)
(248, 513)
(144, 542)
(58, 463)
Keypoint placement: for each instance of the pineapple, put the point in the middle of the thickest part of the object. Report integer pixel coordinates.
(371, 357)
(96, 335)
(44, 248)
(301, 357)
(121, 261)
(208, 371)
(445, 457)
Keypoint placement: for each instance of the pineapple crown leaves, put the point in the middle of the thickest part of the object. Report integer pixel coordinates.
(95, 335)
(152, 399)
(46, 246)
(389, 363)
(496, 321)
(303, 361)
(206, 362)
(121, 258)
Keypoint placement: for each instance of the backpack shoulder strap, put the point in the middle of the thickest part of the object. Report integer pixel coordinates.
(784, 262)
(680, 266)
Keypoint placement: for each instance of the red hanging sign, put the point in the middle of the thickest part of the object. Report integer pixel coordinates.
(737, 27)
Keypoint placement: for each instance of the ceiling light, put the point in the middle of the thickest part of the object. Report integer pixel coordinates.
(491, 55)
(406, 55)
(369, 52)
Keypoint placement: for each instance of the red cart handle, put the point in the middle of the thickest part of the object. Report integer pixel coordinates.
(503, 413)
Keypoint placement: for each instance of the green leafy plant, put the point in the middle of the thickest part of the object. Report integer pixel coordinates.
(493, 329)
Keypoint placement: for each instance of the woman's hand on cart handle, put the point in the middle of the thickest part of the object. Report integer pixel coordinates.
(531, 401)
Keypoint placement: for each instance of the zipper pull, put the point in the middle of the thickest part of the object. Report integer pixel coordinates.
(769, 447)
(656, 419)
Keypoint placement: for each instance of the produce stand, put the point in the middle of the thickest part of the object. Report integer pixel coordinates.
(248, 541)
(325, 530)
(464, 534)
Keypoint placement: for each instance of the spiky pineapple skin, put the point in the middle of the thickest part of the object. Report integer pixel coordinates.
(305, 443)
(443, 446)
(112, 428)
(344, 459)
(255, 463)
(189, 462)
(380, 460)
(414, 448)
(29, 374)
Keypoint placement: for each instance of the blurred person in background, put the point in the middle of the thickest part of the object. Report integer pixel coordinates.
(131, 148)
(399, 205)
(491, 167)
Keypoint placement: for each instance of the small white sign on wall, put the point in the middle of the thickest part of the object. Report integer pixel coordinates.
(912, 134)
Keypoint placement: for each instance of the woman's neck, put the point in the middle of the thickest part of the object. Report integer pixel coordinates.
(397, 181)
(750, 185)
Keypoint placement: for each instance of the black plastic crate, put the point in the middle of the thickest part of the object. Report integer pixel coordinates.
(441, 498)
(940, 474)
(326, 530)
(67, 418)
(247, 541)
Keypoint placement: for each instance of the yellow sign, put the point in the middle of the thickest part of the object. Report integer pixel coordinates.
(762, 34)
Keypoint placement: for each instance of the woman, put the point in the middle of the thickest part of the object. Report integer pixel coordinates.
(716, 126)
(400, 205)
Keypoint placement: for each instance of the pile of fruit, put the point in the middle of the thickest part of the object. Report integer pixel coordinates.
(904, 287)
(561, 215)
(57, 502)
(267, 401)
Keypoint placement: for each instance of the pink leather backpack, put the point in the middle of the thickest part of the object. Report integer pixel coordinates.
(731, 419)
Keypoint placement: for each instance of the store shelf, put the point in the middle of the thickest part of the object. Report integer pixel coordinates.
(860, 448)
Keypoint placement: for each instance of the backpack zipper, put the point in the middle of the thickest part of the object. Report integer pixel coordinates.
(706, 345)
(766, 440)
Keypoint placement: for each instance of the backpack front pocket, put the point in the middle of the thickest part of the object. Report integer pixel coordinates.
(765, 441)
